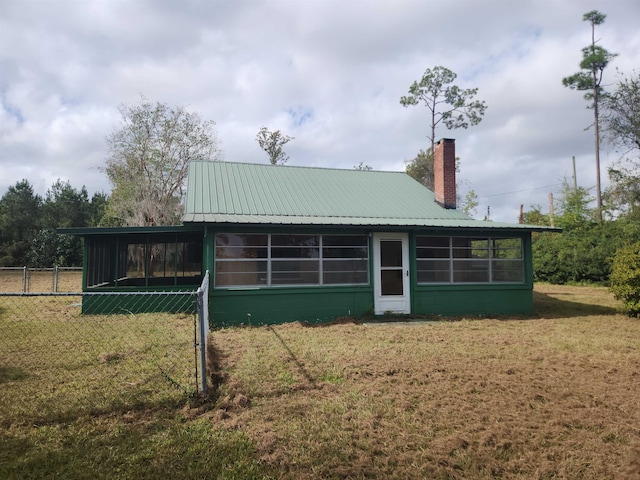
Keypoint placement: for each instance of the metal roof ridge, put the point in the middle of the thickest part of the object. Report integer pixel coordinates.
(455, 219)
(305, 167)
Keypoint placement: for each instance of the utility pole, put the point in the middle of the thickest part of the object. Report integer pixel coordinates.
(575, 177)
(597, 137)
(596, 70)
(521, 216)
(551, 210)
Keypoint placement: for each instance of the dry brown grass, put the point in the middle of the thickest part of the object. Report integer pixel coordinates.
(56, 363)
(555, 396)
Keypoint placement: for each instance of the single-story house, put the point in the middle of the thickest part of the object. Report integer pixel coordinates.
(286, 243)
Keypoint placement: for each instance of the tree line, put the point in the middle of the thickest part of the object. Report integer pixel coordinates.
(28, 224)
(584, 251)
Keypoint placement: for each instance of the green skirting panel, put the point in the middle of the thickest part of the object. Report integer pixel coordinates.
(169, 302)
(271, 306)
(473, 300)
(318, 305)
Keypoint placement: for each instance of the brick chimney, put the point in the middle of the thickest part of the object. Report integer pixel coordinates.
(444, 172)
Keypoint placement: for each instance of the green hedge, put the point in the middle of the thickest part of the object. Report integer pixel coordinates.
(582, 254)
(625, 278)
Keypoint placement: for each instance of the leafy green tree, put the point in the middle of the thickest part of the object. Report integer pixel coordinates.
(421, 168)
(625, 278)
(64, 206)
(623, 195)
(536, 217)
(49, 248)
(470, 203)
(97, 209)
(594, 60)
(148, 161)
(447, 103)
(19, 220)
(621, 114)
(621, 119)
(574, 211)
(272, 143)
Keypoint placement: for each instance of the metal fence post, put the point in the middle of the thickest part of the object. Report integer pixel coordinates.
(54, 285)
(24, 279)
(203, 329)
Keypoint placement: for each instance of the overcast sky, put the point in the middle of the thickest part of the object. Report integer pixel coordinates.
(329, 73)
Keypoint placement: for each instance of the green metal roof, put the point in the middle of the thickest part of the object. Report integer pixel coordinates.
(243, 193)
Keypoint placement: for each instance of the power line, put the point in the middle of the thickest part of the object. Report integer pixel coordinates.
(520, 191)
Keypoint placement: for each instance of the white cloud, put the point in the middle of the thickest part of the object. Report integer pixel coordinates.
(329, 73)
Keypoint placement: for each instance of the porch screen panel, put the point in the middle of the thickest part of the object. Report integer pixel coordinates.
(173, 261)
(345, 259)
(506, 260)
(469, 260)
(433, 256)
(100, 266)
(137, 263)
(188, 259)
(241, 260)
(145, 260)
(274, 260)
(158, 267)
(295, 259)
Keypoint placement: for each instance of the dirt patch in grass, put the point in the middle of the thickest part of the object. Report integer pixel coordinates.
(551, 397)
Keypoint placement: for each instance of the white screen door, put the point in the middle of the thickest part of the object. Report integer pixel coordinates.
(391, 265)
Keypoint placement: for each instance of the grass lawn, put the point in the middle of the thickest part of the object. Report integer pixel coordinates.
(554, 396)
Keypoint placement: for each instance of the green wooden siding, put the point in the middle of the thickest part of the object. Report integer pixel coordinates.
(151, 303)
(282, 305)
(450, 300)
(316, 304)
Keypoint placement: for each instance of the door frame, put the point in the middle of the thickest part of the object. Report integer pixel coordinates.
(391, 303)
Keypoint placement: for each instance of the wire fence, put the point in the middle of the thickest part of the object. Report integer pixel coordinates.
(56, 361)
(28, 279)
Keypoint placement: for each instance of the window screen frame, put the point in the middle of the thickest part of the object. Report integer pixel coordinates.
(468, 259)
(108, 260)
(315, 255)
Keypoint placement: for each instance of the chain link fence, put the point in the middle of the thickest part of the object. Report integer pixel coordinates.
(53, 279)
(57, 361)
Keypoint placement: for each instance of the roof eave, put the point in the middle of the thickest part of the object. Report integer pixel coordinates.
(412, 224)
(85, 231)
